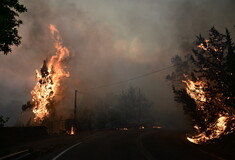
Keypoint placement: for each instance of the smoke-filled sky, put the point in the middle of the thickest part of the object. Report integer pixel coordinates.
(109, 41)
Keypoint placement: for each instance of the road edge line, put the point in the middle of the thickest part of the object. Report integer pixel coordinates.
(14, 154)
(142, 149)
(61, 153)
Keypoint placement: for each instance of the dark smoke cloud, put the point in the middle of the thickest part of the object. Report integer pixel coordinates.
(109, 41)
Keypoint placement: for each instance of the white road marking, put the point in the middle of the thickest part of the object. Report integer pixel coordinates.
(56, 157)
(13, 154)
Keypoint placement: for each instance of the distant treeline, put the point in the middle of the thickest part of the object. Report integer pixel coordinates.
(128, 109)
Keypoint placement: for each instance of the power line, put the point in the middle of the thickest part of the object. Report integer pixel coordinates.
(131, 79)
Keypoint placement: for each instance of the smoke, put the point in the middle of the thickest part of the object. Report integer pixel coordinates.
(109, 41)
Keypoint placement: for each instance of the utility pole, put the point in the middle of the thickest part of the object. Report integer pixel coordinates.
(75, 106)
(139, 107)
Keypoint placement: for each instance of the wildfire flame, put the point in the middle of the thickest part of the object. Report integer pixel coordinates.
(196, 90)
(72, 131)
(204, 46)
(218, 129)
(157, 127)
(123, 129)
(48, 79)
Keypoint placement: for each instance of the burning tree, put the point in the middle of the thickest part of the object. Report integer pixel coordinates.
(48, 80)
(204, 82)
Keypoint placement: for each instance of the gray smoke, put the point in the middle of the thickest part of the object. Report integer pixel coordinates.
(109, 41)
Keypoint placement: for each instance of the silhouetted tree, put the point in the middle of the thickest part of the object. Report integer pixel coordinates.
(84, 117)
(133, 106)
(9, 23)
(100, 116)
(3, 121)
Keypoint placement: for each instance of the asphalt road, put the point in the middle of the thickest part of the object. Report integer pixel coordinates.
(132, 145)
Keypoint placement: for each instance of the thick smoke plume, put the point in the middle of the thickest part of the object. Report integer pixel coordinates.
(109, 41)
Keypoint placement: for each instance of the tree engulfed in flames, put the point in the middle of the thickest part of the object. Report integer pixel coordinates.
(204, 82)
(196, 91)
(48, 79)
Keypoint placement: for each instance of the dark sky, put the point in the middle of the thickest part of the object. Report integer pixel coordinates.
(109, 41)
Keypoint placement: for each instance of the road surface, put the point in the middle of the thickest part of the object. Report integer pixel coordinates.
(132, 145)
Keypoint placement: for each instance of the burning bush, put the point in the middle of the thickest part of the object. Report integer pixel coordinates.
(204, 82)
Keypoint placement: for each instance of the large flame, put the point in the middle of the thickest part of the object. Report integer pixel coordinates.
(217, 129)
(48, 79)
(196, 90)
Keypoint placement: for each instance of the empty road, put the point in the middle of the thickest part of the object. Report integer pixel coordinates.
(133, 144)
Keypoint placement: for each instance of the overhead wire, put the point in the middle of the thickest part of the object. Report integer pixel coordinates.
(131, 79)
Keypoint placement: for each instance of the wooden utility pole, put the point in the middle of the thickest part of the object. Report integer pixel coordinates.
(75, 106)
(139, 104)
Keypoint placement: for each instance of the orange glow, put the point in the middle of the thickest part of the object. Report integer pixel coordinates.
(141, 127)
(123, 129)
(72, 131)
(48, 79)
(206, 47)
(157, 127)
